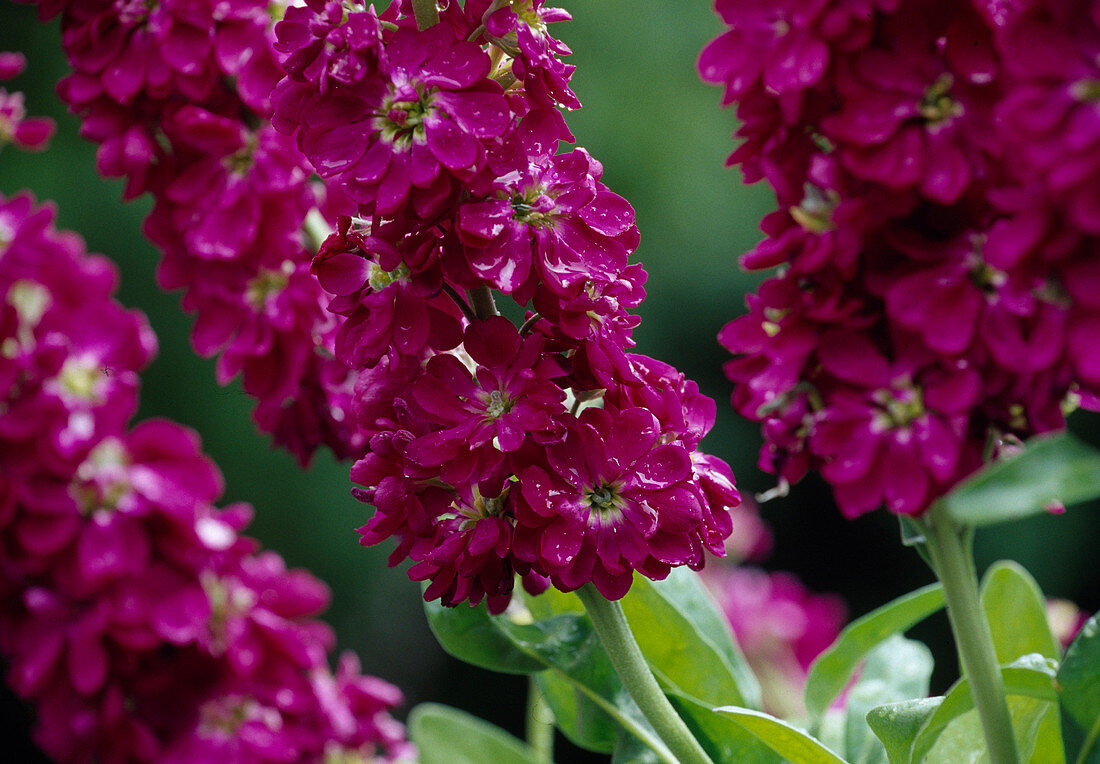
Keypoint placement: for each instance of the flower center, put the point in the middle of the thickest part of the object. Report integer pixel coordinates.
(815, 213)
(605, 499)
(101, 478)
(533, 207)
(937, 107)
(526, 12)
(401, 118)
(266, 283)
(380, 279)
(224, 716)
(497, 404)
(898, 408)
(1086, 90)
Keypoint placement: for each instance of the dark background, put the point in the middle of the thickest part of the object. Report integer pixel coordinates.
(663, 142)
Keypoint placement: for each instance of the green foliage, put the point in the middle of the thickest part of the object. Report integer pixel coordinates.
(1016, 611)
(896, 670)
(834, 668)
(445, 735)
(788, 741)
(1079, 696)
(724, 740)
(1050, 469)
(897, 725)
(687, 641)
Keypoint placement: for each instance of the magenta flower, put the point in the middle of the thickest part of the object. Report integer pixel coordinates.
(609, 500)
(405, 132)
(484, 415)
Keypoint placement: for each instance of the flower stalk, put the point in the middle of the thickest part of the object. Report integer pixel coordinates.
(426, 12)
(617, 639)
(540, 724)
(952, 559)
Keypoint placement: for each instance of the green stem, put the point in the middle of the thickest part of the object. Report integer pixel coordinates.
(426, 12)
(949, 548)
(540, 723)
(615, 635)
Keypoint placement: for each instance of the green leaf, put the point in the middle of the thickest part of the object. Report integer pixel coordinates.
(897, 725)
(1079, 695)
(834, 667)
(1031, 677)
(1050, 469)
(580, 719)
(963, 740)
(565, 643)
(724, 740)
(472, 635)
(896, 670)
(1016, 611)
(687, 641)
(445, 735)
(789, 742)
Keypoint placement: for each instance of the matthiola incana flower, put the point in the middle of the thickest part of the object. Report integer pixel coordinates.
(29, 133)
(934, 238)
(134, 616)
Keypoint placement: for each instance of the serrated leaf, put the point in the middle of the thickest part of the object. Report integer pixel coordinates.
(1031, 676)
(834, 668)
(896, 670)
(445, 735)
(1016, 611)
(687, 641)
(789, 742)
(897, 725)
(1079, 695)
(1050, 469)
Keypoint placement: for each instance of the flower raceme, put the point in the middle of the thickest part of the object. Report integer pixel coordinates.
(432, 153)
(545, 450)
(134, 615)
(936, 175)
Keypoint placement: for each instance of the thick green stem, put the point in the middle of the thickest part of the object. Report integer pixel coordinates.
(426, 12)
(540, 723)
(615, 635)
(949, 548)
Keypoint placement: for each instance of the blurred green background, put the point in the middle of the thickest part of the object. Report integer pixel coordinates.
(663, 141)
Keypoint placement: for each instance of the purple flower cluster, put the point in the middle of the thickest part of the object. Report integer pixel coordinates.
(936, 168)
(28, 133)
(133, 615)
(546, 450)
(178, 96)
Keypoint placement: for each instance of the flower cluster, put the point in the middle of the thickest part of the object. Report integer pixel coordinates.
(546, 450)
(133, 614)
(936, 170)
(28, 133)
(178, 96)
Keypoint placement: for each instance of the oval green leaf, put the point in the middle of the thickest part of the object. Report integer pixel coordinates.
(897, 725)
(834, 667)
(724, 740)
(687, 641)
(445, 735)
(1050, 469)
(1016, 611)
(789, 742)
(896, 670)
(472, 635)
(1079, 696)
(1030, 677)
